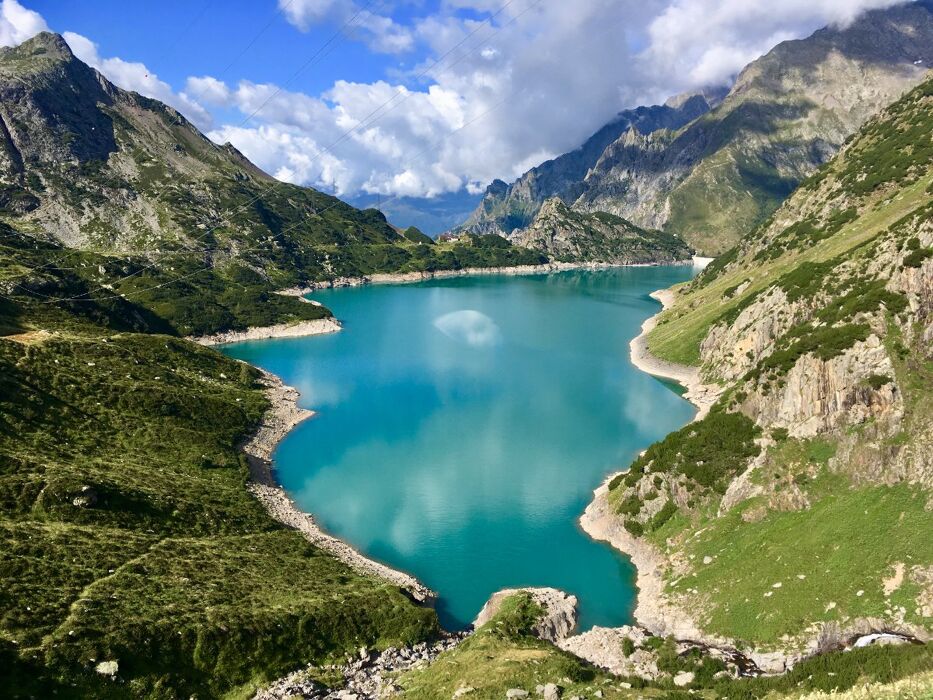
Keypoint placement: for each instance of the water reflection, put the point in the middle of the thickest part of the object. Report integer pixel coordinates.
(464, 423)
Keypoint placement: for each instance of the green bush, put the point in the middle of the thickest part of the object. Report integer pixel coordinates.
(709, 452)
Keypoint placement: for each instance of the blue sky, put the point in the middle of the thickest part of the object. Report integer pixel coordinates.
(415, 98)
(178, 38)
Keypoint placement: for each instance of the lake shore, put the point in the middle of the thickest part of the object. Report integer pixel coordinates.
(414, 277)
(701, 395)
(318, 326)
(283, 415)
(653, 610)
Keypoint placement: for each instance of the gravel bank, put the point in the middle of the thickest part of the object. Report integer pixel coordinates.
(318, 326)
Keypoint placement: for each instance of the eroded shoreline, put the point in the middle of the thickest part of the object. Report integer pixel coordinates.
(701, 395)
(283, 415)
(516, 270)
(302, 329)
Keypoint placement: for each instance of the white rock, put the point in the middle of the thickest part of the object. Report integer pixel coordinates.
(516, 693)
(551, 692)
(463, 690)
(683, 678)
(107, 668)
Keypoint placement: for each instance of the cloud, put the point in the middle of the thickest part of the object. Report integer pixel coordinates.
(495, 87)
(136, 76)
(497, 95)
(380, 33)
(208, 90)
(471, 327)
(18, 24)
(709, 40)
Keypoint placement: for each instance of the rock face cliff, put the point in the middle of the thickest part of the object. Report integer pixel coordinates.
(783, 516)
(567, 235)
(722, 174)
(506, 207)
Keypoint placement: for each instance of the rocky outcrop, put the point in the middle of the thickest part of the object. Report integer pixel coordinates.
(368, 676)
(558, 619)
(564, 234)
(820, 396)
(606, 647)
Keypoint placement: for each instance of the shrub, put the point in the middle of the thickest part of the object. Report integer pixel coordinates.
(876, 381)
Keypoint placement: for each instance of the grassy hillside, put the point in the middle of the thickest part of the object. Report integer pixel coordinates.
(127, 531)
(503, 655)
(882, 181)
(799, 506)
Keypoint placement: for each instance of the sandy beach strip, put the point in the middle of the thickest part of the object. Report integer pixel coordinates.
(701, 395)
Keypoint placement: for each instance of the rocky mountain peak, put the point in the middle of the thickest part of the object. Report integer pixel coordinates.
(49, 44)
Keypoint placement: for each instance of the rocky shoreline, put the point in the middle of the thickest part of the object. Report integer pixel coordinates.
(369, 675)
(318, 326)
(283, 415)
(413, 277)
(652, 609)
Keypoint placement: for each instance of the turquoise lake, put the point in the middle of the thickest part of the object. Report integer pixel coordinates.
(463, 424)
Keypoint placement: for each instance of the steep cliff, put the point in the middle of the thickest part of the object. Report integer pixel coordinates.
(796, 512)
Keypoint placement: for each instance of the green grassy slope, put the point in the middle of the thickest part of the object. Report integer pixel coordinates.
(846, 204)
(127, 533)
(503, 655)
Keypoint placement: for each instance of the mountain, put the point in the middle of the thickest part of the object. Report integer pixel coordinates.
(433, 215)
(572, 236)
(507, 207)
(722, 174)
(144, 200)
(796, 512)
(134, 561)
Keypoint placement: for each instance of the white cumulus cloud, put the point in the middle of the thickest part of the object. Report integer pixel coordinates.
(380, 33)
(499, 86)
(18, 24)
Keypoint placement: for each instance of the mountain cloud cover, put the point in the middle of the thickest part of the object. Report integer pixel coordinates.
(500, 87)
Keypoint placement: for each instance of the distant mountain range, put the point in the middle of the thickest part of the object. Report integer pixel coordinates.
(710, 167)
(133, 191)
